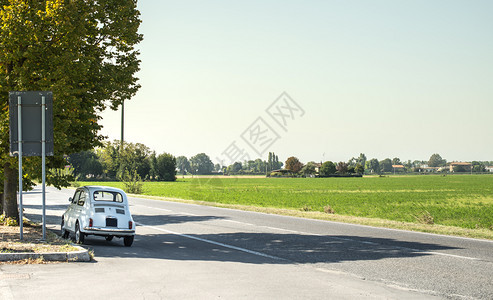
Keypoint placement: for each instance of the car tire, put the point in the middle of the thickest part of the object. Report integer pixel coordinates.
(64, 233)
(128, 240)
(79, 236)
(109, 238)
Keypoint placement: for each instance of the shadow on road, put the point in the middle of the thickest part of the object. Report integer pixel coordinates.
(156, 220)
(291, 248)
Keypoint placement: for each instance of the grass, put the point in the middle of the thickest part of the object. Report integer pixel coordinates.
(463, 201)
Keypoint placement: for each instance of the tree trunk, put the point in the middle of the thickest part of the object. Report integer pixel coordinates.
(10, 207)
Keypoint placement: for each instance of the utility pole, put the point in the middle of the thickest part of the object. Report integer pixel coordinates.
(123, 120)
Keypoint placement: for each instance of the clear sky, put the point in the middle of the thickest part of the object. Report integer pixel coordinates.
(386, 78)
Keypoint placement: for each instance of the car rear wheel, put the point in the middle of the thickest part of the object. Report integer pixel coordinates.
(79, 236)
(109, 238)
(128, 240)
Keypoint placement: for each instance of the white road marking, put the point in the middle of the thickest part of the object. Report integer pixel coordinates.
(212, 242)
(188, 214)
(281, 229)
(450, 255)
(237, 222)
(163, 209)
(435, 253)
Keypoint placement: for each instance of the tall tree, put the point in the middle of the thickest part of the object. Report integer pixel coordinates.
(270, 162)
(82, 51)
(277, 163)
(183, 164)
(478, 166)
(166, 167)
(373, 165)
(132, 157)
(86, 164)
(293, 164)
(436, 161)
(273, 162)
(235, 168)
(201, 164)
(308, 169)
(328, 168)
(359, 169)
(386, 165)
(361, 159)
(342, 168)
(260, 166)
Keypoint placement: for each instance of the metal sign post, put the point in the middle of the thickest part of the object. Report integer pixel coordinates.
(43, 162)
(21, 216)
(26, 138)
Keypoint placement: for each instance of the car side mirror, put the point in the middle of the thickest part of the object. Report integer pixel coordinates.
(70, 199)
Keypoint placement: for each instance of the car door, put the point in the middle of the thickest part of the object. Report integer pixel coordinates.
(69, 215)
(78, 208)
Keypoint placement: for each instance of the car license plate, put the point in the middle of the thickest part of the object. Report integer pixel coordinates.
(111, 222)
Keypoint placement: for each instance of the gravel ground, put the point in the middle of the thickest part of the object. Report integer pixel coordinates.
(32, 240)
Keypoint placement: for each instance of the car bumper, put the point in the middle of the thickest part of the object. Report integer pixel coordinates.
(108, 231)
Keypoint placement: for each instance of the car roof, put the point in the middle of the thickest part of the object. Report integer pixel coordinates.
(93, 188)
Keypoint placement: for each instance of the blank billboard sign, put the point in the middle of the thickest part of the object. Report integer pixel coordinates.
(31, 109)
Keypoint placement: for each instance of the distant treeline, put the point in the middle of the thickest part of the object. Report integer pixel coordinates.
(114, 162)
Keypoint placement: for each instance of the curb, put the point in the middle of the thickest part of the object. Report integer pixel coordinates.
(76, 256)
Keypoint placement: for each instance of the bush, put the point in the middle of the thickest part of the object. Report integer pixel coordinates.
(132, 182)
(8, 221)
(328, 168)
(425, 218)
(329, 210)
(306, 208)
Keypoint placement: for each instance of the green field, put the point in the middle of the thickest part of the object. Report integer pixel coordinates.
(459, 200)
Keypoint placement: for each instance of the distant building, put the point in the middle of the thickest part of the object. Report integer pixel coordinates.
(467, 166)
(430, 169)
(317, 167)
(489, 169)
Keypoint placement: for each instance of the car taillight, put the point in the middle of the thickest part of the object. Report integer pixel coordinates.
(90, 222)
(130, 224)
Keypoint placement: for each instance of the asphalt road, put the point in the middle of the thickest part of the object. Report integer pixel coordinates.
(198, 252)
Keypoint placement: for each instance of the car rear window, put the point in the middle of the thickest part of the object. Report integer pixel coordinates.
(108, 196)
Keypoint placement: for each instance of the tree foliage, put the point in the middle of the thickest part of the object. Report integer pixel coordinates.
(386, 165)
(82, 51)
(328, 168)
(373, 165)
(436, 161)
(86, 164)
(308, 169)
(235, 168)
(112, 162)
(293, 164)
(361, 159)
(183, 164)
(359, 168)
(201, 164)
(273, 162)
(478, 167)
(133, 156)
(165, 167)
(342, 168)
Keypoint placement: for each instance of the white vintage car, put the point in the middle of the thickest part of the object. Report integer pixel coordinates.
(101, 211)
